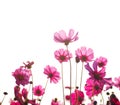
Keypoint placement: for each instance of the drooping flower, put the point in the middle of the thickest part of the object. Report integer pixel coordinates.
(84, 54)
(61, 36)
(52, 74)
(101, 61)
(77, 97)
(114, 100)
(93, 88)
(38, 90)
(62, 55)
(116, 82)
(28, 64)
(56, 102)
(22, 76)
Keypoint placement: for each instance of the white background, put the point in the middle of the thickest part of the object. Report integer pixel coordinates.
(26, 33)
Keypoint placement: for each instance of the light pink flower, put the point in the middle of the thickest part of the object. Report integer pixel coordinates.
(52, 73)
(84, 54)
(101, 61)
(62, 55)
(22, 76)
(66, 39)
(116, 82)
(56, 102)
(38, 90)
(77, 97)
(93, 88)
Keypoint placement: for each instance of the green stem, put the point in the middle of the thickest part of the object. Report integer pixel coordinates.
(102, 98)
(63, 83)
(45, 89)
(81, 76)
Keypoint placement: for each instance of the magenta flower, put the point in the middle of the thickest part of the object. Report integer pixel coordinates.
(52, 73)
(116, 83)
(62, 55)
(56, 102)
(84, 54)
(77, 97)
(13, 102)
(101, 61)
(22, 76)
(63, 38)
(38, 90)
(93, 87)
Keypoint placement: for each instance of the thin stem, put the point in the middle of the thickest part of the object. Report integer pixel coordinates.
(62, 83)
(102, 98)
(2, 100)
(81, 76)
(45, 89)
(32, 83)
(76, 76)
(70, 76)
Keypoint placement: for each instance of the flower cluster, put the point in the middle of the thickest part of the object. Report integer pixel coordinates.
(96, 83)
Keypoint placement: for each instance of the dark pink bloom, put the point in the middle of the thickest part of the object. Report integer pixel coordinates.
(62, 55)
(93, 88)
(24, 93)
(12, 102)
(114, 100)
(101, 61)
(38, 90)
(116, 83)
(56, 102)
(66, 39)
(77, 97)
(95, 74)
(84, 54)
(52, 73)
(22, 76)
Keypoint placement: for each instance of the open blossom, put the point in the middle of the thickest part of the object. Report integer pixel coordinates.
(84, 54)
(38, 90)
(52, 73)
(66, 39)
(93, 88)
(62, 55)
(22, 76)
(77, 97)
(101, 61)
(116, 82)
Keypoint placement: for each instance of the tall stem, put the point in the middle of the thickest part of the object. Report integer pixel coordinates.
(45, 89)
(76, 76)
(102, 98)
(81, 76)
(70, 76)
(63, 83)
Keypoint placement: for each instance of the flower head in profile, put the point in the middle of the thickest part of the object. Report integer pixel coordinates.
(101, 61)
(52, 73)
(116, 82)
(22, 76)
(77, 97)
(62, 55)
(56, 102)
(38, 90)
(84, 54)
(61, 36)
(93, 88)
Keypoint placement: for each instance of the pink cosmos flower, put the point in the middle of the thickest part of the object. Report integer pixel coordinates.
(101, 61)
(22, 76)
(84, 54)
(13, 102)
(63, 38)
(116, 83)
(77, 97)
(62, 55)
(52, 73)
(93, 88)
(38, 90)
(56, 102)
